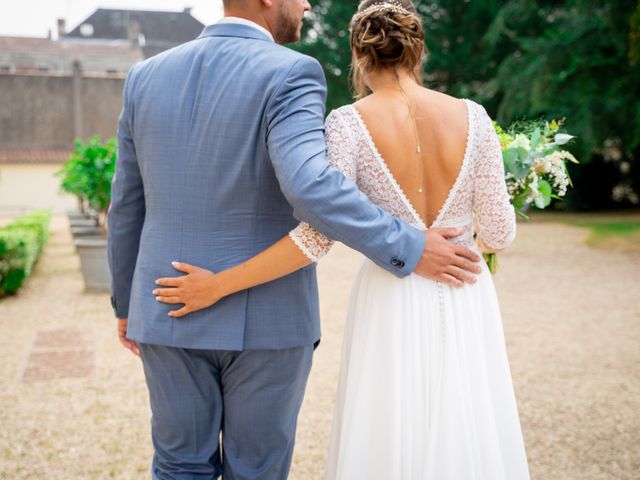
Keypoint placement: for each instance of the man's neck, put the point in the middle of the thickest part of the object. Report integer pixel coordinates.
(252, 17)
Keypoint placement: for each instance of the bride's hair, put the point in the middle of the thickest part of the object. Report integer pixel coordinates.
(385, 34)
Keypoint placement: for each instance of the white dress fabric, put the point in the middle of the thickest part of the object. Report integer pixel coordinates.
(425, 391)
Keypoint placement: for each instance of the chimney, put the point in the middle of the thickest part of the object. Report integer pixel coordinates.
(134, 33)
(62, 27)
(187, 10)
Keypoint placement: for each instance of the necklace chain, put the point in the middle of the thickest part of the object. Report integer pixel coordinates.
(415, 131)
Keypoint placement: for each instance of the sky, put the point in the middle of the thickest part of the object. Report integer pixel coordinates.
(34, 18)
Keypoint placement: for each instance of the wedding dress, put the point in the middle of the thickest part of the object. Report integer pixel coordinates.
(425, 390)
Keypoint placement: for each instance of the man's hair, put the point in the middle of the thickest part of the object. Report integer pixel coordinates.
(228, 3)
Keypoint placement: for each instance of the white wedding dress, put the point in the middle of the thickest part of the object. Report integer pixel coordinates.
(425, 391)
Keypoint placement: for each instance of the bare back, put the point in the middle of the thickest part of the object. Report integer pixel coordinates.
(442, 128)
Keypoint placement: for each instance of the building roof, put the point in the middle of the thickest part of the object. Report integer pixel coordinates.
(21, 55)
(34, 156)
(158, 29)
(46, 45)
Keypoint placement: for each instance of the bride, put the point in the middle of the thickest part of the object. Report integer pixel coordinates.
(425, 390)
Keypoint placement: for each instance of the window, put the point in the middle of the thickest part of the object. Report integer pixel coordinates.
(86, 30)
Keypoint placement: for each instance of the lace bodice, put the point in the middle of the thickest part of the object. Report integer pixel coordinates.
(478, 199)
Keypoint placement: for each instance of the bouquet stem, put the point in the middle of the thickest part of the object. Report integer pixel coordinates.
(492, 262)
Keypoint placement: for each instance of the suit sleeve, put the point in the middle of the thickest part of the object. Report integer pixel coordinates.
(126, 212)
(320, 194)
(340, 155)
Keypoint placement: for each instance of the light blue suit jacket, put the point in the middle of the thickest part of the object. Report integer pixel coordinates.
(221, 151)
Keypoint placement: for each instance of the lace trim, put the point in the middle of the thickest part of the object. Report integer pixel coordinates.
(383, 165)
(463, 168)
(307, 253)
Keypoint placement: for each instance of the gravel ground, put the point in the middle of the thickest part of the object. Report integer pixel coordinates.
(572, 322)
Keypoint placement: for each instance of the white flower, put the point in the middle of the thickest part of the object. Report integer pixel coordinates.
(522, 141)
(562, 138)
(553, 168)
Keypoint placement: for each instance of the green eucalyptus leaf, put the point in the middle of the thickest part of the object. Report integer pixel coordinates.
(545, 190)
(520, 201)
(536, 137)
(516, 162)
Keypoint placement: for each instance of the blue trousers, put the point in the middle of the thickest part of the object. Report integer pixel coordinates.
(229, 413)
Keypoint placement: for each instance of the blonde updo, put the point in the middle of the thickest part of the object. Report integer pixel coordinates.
(385, 34)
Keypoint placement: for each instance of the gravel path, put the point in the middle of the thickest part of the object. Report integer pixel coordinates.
(572, 321)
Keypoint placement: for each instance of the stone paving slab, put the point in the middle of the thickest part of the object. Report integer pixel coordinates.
(53, 365)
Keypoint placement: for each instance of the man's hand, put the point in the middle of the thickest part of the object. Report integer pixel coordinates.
(445, 262)
(122, 335)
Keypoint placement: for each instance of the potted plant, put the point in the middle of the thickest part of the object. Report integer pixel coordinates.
(80, 177)
(72, 182)
(88, 175)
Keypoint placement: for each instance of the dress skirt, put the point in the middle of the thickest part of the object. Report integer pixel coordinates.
(425, 390)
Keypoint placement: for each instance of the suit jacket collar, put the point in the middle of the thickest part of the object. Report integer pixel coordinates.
(233, 30)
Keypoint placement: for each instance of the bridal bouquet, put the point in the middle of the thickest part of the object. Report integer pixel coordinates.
(535, 166)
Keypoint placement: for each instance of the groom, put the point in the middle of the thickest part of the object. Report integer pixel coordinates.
(221, 152)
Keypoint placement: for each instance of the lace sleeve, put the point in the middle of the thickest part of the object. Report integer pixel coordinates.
(341, 156)
(494, 215)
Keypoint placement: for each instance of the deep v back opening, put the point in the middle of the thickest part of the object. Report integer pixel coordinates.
(400, 191)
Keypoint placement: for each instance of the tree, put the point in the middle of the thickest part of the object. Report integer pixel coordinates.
(576, 59)
(326, 38)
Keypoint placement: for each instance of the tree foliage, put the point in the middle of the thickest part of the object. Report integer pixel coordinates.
(576, 59)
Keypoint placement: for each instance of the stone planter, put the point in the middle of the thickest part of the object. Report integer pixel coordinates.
(75, 214)
(82, 222)
(93, 260)
(86, 231)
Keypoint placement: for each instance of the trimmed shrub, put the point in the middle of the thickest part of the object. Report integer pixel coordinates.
(21, 243)
(88, 174)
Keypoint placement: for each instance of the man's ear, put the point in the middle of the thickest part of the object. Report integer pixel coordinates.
(267, 3)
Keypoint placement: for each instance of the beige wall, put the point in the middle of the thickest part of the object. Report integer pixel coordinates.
(23, 187)
(50, 112)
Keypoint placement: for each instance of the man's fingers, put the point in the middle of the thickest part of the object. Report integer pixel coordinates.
(450, 280)
(467, 265)
(180, 313)
(131, 345)
(466, 253)
(448, 232)
(170, 300)
(122, 337)
(169, 282)
(461, 275)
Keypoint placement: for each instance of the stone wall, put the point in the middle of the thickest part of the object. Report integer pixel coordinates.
(48, 111)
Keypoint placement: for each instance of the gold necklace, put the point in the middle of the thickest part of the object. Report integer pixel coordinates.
(415, 129)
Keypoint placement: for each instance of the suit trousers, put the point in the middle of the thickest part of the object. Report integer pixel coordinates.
(229, 413)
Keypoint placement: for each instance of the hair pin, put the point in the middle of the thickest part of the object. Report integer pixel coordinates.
(379, 7)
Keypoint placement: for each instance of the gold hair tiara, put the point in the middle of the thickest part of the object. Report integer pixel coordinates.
(378, 7)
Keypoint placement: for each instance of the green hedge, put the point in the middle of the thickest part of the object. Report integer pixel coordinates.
(21, 243)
